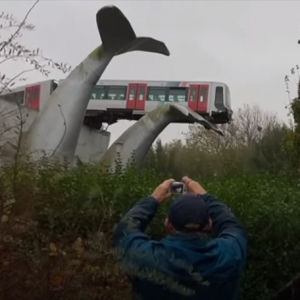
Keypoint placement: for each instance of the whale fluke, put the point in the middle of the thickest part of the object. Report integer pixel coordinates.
(146, 44)
(118, 37)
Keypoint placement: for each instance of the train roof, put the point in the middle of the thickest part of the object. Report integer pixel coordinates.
(171, 83)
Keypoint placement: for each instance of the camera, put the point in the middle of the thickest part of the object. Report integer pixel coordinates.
(177, 188)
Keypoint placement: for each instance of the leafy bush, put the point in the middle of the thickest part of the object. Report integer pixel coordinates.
(57, 223)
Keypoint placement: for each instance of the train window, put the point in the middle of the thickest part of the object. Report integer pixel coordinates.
(193, 93)
(177, 95)
(116, 92)
(17, 97)
(35, 103)
(28, 97)
(54, 85)
(228, 103)
(141, 93)
(98, 93)
(203, 94)
(157, 94)
(36, 93)
(132, 92)
(219, 98)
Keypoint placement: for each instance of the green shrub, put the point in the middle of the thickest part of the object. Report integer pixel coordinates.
(57, 223)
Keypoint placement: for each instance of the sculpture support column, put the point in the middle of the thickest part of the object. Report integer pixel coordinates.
(92, 144)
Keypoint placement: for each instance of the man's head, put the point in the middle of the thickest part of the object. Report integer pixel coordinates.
(187, 214)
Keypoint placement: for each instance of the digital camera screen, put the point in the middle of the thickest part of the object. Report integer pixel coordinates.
(177, 188)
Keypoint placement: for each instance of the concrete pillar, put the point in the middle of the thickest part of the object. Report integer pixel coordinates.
(92, 144)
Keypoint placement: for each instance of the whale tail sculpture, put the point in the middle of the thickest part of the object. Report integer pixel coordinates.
(55, 131)
(136, 141)
(118, 36)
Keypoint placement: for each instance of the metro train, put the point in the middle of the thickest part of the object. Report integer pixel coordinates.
(113, 100)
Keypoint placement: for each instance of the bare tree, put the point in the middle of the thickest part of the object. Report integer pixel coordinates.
(248, 126)
(12, 50)
(12, 117)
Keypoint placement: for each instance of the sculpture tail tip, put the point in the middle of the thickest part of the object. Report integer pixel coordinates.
(118, 36)
(146, 44)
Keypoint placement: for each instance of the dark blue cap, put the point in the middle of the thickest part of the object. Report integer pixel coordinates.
(189, 213)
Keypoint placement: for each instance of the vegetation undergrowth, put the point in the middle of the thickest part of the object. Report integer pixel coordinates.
(57, 224)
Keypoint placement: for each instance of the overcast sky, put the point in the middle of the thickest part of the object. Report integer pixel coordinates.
(250, 45)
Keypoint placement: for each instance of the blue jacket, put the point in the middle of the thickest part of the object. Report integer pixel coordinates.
(183, 267)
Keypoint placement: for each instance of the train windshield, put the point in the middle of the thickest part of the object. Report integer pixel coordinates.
(228, 99)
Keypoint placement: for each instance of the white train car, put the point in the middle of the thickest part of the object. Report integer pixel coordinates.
(112, 100)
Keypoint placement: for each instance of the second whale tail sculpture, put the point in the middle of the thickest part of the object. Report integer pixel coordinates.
(56, 129)
(136, 141)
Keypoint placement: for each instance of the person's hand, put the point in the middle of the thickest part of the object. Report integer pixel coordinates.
(162, 192)
(193, 187)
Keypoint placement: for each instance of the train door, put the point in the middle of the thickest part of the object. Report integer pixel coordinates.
(136, 96)
(131, 96)
(32, 97)
(141, 96)
(28, 93)
(35, 102)
(198, 98)
(203, 99)
(193, 96)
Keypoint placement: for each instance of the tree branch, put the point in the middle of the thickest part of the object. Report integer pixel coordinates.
(20, 26)
(9, 26)
(14, 78)
(10, 128)
(19, 56)
(291, 291)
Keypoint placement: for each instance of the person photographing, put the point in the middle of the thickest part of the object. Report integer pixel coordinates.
(202, 257)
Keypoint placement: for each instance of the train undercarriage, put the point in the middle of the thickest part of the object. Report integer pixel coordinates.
(95, 119)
